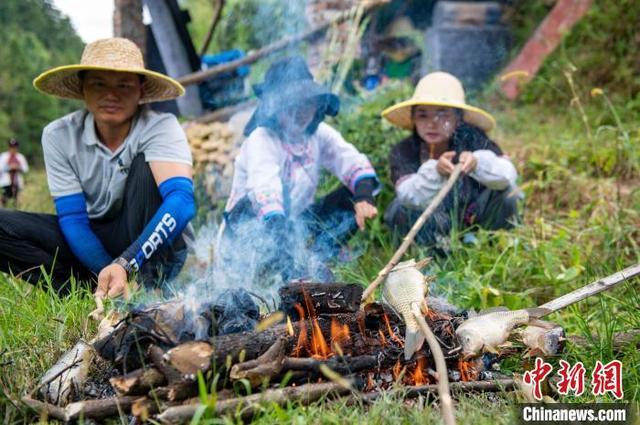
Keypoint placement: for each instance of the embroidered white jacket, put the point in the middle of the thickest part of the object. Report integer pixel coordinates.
(273, 173)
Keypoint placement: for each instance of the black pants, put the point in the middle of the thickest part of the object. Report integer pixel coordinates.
(301, 250)
(32, 241)
(463, 207)
(9, 192)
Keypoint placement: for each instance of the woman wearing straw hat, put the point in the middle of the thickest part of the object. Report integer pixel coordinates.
(277, 173)
(445, 131)
(119, 173)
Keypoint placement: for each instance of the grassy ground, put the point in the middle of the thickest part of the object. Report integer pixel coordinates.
(581, 222)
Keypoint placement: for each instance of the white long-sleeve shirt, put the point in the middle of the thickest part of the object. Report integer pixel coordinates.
(5, 178)
(418, 189)
(266, 169)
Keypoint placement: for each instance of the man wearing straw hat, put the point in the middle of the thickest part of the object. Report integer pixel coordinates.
(120, 176)
(446, 131)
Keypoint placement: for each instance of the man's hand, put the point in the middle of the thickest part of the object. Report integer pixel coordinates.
(445, 164)
(112, 282)
(364, 210)
(468, 162)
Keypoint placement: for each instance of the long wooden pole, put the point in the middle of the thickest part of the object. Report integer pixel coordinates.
(252, 57)
(593, 288)
(408, 240)
(214, 23)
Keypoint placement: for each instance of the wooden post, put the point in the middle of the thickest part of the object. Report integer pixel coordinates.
(173, 53)
(127, 22)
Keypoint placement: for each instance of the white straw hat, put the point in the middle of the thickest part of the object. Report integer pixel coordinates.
(438, 89)
(111, 54)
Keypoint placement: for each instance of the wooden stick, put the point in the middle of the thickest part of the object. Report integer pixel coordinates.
(252, 57)
(156, 354)
(304, 394)
(267, 366)
(408, 240)
(620, 340)
(216, 18)
(52, 411)
(593, 288)
(446, 403)
(138, 382)
(99, 409)
(456, 387)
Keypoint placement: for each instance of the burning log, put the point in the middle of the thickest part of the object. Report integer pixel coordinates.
(324, 298)
(304, 394)
(138, 382)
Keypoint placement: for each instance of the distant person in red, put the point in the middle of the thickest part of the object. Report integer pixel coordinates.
(12, 165)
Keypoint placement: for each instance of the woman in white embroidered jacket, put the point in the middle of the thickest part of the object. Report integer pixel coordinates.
(447, 131)
(277, 173)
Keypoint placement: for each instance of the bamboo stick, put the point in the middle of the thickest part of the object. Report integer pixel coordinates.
(408, 240)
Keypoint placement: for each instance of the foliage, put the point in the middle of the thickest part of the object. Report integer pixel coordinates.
(602, 47)
(246, 24)
(35, 37)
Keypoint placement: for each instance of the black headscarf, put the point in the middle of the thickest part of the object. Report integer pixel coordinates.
(287, 83)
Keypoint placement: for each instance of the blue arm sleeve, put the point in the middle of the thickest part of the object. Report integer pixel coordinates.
(74, 223)
(177, 209)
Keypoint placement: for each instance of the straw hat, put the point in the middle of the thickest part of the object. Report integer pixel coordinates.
(111, 54)
(438, 89)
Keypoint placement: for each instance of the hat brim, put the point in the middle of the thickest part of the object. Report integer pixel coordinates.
(65, 83)
(274, 101)
(400, 114)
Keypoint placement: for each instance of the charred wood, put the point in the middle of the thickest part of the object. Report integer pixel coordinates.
(138, 382)
(320, 298)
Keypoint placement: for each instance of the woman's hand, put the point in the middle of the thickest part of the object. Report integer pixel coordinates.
(468, 162)
(445, 163)
(363, 211)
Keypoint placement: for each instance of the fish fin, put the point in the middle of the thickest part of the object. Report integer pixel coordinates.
(412, 342)
(538, 312)
(493, 310)
(490, 349)
(542, 324)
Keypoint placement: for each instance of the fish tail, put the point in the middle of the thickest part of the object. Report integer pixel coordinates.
(413, 341)
(538, 312)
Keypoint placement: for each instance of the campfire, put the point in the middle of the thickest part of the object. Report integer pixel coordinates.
(320, 343)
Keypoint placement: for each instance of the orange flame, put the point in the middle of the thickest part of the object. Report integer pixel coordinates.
(418, 376)
(467, 371)
(339, 331)
(396, 370)
(390, 331)
(319, 347)
(370, 384)
(383, 339)
(302, 337)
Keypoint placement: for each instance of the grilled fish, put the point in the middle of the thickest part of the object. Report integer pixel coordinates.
(404, 290)
(63, 382)
(543, 339)
(486, 331)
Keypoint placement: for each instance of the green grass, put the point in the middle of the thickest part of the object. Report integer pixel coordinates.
(581, 222)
